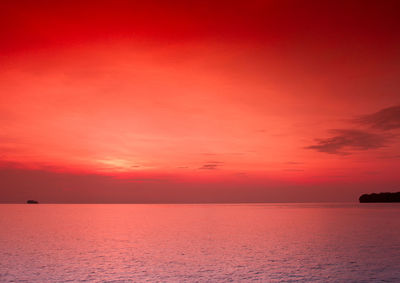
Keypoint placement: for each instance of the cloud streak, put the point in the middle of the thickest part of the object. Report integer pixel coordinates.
(211, 165)
(373, 135)
(385, 119)
(346, 140)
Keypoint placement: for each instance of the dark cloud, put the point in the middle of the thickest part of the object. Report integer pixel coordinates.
(211, 165)
(385, 119)
(345, 140)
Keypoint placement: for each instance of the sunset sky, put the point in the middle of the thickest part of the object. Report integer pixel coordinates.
(198, 101)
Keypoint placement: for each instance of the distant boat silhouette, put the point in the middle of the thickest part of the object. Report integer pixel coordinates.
(31, 201)
(381, 197)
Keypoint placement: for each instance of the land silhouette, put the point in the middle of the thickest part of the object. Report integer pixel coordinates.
(381, 197)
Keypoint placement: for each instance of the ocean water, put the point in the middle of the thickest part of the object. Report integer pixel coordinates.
(200, 243)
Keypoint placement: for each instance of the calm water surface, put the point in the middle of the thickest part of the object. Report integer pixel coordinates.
(200, 243)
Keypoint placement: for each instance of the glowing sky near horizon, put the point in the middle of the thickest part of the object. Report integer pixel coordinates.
(166, 96)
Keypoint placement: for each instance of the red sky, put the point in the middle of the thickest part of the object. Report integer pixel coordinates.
(198, 101)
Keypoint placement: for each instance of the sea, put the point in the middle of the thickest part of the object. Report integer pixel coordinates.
(280, 242)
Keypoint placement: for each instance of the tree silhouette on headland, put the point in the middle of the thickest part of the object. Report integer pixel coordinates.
(381, 197)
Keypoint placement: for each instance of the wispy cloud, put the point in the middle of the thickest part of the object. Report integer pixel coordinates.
(211, 165)
(346, 140)
(372, 135)
(385, 119)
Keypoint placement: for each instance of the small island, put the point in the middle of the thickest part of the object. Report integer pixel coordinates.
(381, 197)
(31, 201)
